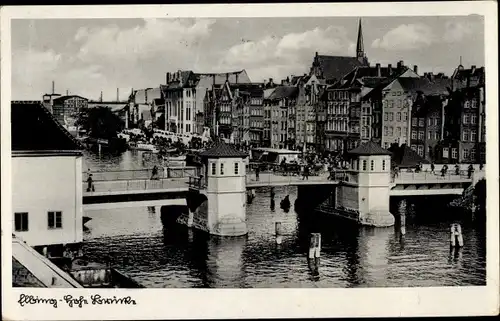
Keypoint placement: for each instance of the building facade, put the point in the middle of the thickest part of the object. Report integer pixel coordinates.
(465, 117)
(46, 180)
(282, 103)
(66, 108)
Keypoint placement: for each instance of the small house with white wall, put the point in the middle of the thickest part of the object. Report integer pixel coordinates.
(46, 180)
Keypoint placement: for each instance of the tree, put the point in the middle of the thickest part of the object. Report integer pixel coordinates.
(100, 122)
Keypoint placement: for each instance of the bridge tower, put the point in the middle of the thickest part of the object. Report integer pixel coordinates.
(225, 181)
(370, 180)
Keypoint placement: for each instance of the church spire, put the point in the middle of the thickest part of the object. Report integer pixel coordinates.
(360, 50)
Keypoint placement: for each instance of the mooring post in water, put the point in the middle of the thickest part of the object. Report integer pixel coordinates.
(100, 147)
(456, 238)
(278, 232)
(272, 193)
(190, 218)
(314, 252)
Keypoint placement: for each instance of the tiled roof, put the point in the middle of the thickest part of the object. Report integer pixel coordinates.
(268, 92)
(464, 73)
(404, 156)
(34, 129)
(281, 92)
(223, 150)
(369, 148)
(335, 67)
(436, 87)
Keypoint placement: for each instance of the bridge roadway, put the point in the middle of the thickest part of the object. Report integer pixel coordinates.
(117, 192)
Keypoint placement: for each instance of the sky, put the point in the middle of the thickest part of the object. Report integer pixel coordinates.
(87, 56)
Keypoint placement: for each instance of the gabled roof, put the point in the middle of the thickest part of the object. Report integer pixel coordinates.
(461, 73)
(281, 92)
(335, 67)
(34, 130)
(404, 156)
(369, 148)
(223, 150)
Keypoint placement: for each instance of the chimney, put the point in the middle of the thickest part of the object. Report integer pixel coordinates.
(389, 68)
(213, 80)
(379, 73)
(472, 69)
(415, 69)
(316, 54)
(227, 77)
(117, 94)
(400, 64)
(67, 92)
(283, 81)
(168, 78)
(271, 83)
(100, 99)
(236, 75)
(53, 87)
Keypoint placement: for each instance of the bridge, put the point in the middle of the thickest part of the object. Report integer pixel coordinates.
(169, 187)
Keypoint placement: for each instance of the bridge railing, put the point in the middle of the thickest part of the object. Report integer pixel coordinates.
(146, 173)
(197, 182)
(134, 185)
(402, 177)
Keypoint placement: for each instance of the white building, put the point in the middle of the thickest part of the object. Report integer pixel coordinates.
(46, 180)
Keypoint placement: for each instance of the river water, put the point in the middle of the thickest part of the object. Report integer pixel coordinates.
(138, 243)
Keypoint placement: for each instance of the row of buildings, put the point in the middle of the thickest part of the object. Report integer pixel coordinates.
(340, 103)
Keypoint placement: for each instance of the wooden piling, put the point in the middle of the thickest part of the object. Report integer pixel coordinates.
(456, 238)
(278, 233)
(315, 246)
(314, 254)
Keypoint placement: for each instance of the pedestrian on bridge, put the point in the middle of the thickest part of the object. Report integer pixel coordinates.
(306, 172)
(257, 171)
(90, 184)
(457, 169)
(432, 167)
(470, 170)
(155, 173)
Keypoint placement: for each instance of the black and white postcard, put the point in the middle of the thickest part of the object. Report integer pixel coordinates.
(271, 160)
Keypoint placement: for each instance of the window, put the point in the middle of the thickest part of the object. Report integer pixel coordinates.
(429, 135)
(465, 135)
(466, 104)
(213, 168)
(429, 151)
(421, 122)
(436, 135)
(383, 165)
(429, 122)
(413, 134)
(445, 152)
(386, 130)
(391, 131)
(405, 116)
(21, 222)
(236, 168)
(473, 119)
(465, 154)
(421, 135)
(473, 154)
(404, 131)
(454, 153)
(466, 119)
(391, 116)
(386, 116)
(414, 121)
(473, 135)
(398, 116)
(398, 131)
(414, 147)
(420, 150)
(364, 165)
(54, 220)
(372, 165)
